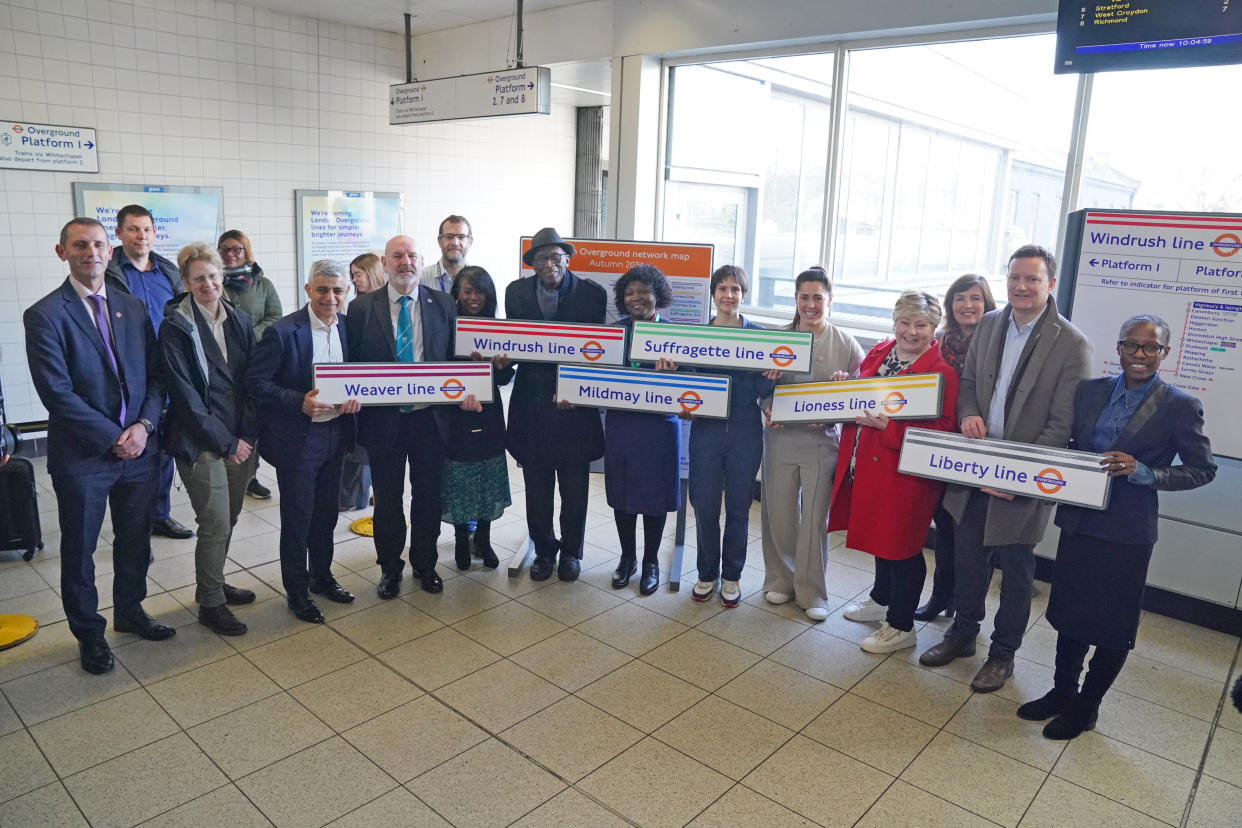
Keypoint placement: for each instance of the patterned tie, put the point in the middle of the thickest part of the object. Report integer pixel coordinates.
(105, 331)
(405, 339)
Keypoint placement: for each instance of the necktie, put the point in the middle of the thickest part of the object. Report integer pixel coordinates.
(105, 331)
(405, 332)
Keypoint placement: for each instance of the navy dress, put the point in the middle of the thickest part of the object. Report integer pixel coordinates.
(642, 472)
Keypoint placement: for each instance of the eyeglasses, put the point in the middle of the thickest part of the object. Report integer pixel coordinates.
(543, 258)
(1149, 349)
(224, 251)
(460, 237)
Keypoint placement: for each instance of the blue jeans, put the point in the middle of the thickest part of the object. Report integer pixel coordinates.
(722, 460)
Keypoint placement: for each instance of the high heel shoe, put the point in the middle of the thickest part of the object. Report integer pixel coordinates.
(933, 608)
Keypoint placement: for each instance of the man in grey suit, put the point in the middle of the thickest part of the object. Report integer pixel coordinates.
(1018, 383)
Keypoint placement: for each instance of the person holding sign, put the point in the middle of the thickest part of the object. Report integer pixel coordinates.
(367, 275)
(642, 474)
(1140, 425)
(886, 513)
(1017, 384)
(725, 457)
(798, 463)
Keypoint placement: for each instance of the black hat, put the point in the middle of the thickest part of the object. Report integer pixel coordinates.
(543, 238)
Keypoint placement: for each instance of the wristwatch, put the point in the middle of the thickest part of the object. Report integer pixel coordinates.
(147, 424)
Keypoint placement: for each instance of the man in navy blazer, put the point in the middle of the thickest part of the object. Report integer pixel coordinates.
(95, 365)
(394, 434)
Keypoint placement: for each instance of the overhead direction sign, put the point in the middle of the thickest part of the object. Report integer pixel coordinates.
(403, 383)
(540, 341)
(903, 397)
(525, 91)
(27, 146)
(722, 347)
(659, 392)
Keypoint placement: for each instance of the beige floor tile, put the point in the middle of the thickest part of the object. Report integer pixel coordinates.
(438, 658)
(752, 629)
(1185, 646)
(570, 809)
(600, 577)
(571, 603)
(1153, 728)
(465, 599)
(397, 807)
(570, 660)
(259, 734)
(919, 693)
(571, 737)
(827, 658)
(265, 622)
(1062, 805)
(910, 807)
(193, 646)
(1216, 804)
(992, 721)
(641, 695)
(9, 720)
(385, 626)
(352, 695)
(795, 777)
(22, 766)
(632, 628)
(53, 644)
(742, 806)
(526, 786)
(780, 693)
(59, 690)
(86, 737)
(307, 655)
(1128, 775)
(701, 659)
(1171, 687)
(144, 782)
(509, 627)
(871, 733)
(1224, 760)
(223, 806)
(414, 738)
(654, 785)
(198, 695)
(500, 695)
(317, 785)
(20, 578)
(679, 606)
(45, 605)
(44, 807)
(751, 738)
(498, 579)
(975, 778)
(789, 610)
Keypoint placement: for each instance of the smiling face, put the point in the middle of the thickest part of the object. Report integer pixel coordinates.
(327, 296)
(914, 334)
(1139, 367)
(470, 300)
(233, 253)
(968, 308)
(728, 296)
(137, 235)
(550, 262)
(455, 241)
(402, 261)
(813, 302)
(87, 252)
(204, 280)
(639, 301)
(1029, 288)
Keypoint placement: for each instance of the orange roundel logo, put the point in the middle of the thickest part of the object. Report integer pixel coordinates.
(1226, 244)
(592, 350)
(782, 355)
(689, 401)
(18, 128)
(452, 388)
(894, 402)
(1049, 481)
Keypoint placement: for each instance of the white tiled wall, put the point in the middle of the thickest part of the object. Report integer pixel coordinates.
(195, 92)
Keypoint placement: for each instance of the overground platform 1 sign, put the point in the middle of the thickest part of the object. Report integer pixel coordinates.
(27, 146)
(636, 390)
(401, 383)
(1058, 475)
(721, 347)
(540, 341)
(903, 397)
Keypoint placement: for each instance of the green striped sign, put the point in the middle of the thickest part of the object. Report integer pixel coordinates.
(722, 347)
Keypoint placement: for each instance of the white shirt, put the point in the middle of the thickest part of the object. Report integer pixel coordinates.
(416, 318)
(436, 277)
(1015, 341)
(325, 347)
(84, 293)
(216, 326)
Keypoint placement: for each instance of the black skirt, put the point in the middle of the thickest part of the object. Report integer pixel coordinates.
(1097, 590)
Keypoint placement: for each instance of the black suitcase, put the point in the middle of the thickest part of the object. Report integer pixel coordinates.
(19, 508)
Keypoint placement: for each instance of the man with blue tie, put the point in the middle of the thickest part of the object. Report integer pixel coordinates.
(94, 363)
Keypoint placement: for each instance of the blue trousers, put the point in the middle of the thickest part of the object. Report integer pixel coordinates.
(722, 460)
(308, 501)
(161, 503)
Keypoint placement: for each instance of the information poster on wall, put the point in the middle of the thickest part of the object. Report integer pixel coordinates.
(687, 266)
(182, 214)
(340, 225)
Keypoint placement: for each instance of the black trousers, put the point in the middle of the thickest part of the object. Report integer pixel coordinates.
(417, 443)
(541, 481)
(943, 581)
(898, 585)
(308, 495)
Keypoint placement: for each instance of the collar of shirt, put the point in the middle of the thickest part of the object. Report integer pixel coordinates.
(1130, 395)
(394, 296)
(83, 291)
(214, 321)
(317, 324)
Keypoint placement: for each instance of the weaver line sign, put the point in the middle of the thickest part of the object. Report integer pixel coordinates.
(401, 383)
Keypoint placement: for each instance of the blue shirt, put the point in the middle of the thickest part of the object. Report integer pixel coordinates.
(151, 286)
(1015, 340)
(1122, 403)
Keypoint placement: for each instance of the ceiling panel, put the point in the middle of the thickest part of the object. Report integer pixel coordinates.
(429, 15)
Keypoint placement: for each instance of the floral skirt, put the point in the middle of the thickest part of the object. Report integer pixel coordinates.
(474, 490)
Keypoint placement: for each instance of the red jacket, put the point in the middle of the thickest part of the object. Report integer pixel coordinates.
(887, 513)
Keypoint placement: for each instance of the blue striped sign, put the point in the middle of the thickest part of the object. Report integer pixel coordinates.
(661, 392)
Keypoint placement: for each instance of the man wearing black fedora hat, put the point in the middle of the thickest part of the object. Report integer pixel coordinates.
(553, 443)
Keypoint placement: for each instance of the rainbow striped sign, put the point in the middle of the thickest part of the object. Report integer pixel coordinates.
(903, 397)
(656, 391)
(402, 383)
(528, 341)
(722, 347)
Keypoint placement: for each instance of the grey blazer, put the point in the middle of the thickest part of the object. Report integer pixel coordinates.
(1040, 409)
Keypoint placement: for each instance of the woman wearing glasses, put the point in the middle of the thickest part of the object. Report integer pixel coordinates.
(1139, 425)
(252, 292)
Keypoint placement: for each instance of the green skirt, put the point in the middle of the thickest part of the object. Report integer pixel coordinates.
(474, 490)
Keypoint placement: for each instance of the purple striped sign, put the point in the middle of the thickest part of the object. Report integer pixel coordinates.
(399, 383)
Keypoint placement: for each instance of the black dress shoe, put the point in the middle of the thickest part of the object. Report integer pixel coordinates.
(569, 568)
(541, 568)
(236, 595)
(650, 580)
(1077, 719)
(171, 528)
(96, 656)
(331, 590)
(221, 620)
(137, 621)
(430, 581)
(258, 491)
(625, 571)
(304, 609)
(1053, 703)
(389, 586)
(933, 608)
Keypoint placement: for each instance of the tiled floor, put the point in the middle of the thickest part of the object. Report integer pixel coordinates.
(503, 701)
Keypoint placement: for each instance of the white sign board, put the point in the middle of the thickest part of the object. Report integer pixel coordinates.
(903, 397)
(26, 146)
(183, 215)
(721, 347)
(655, 391)
(540, 341)
(403, 383)
(526, 91)
(343, 224)
(1059, 475)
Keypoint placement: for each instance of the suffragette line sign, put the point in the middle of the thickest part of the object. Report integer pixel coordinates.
(903, 397)
(402, 383)
(1059, 475)
(635, 390)
(721, 347)
(540, 341)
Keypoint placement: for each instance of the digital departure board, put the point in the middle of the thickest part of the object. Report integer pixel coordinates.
(1147, 34)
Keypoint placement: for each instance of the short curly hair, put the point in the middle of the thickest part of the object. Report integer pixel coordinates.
(649, 275)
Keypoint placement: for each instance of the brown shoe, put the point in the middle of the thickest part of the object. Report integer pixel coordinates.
(220, 620)
(992, 675)
(953, 646)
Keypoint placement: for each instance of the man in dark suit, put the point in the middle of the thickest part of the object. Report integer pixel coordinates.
(305, 439)
(404, 322)
(94, 362)
(554, 443)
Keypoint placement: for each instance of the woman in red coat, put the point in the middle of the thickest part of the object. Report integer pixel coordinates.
(884, 512)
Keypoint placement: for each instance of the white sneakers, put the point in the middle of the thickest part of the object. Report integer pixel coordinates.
(889, 640)
(703, 590)
(730, 593)
(866, 611)
(777, 597)
(817, 614)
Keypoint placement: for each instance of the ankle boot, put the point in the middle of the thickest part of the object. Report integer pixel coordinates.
(1054, 702)
(1077, 719)
(483, 544)
(461, 553)
(625, 570)
(934, 606)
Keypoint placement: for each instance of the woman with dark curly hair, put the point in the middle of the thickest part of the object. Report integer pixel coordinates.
(641, 468)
